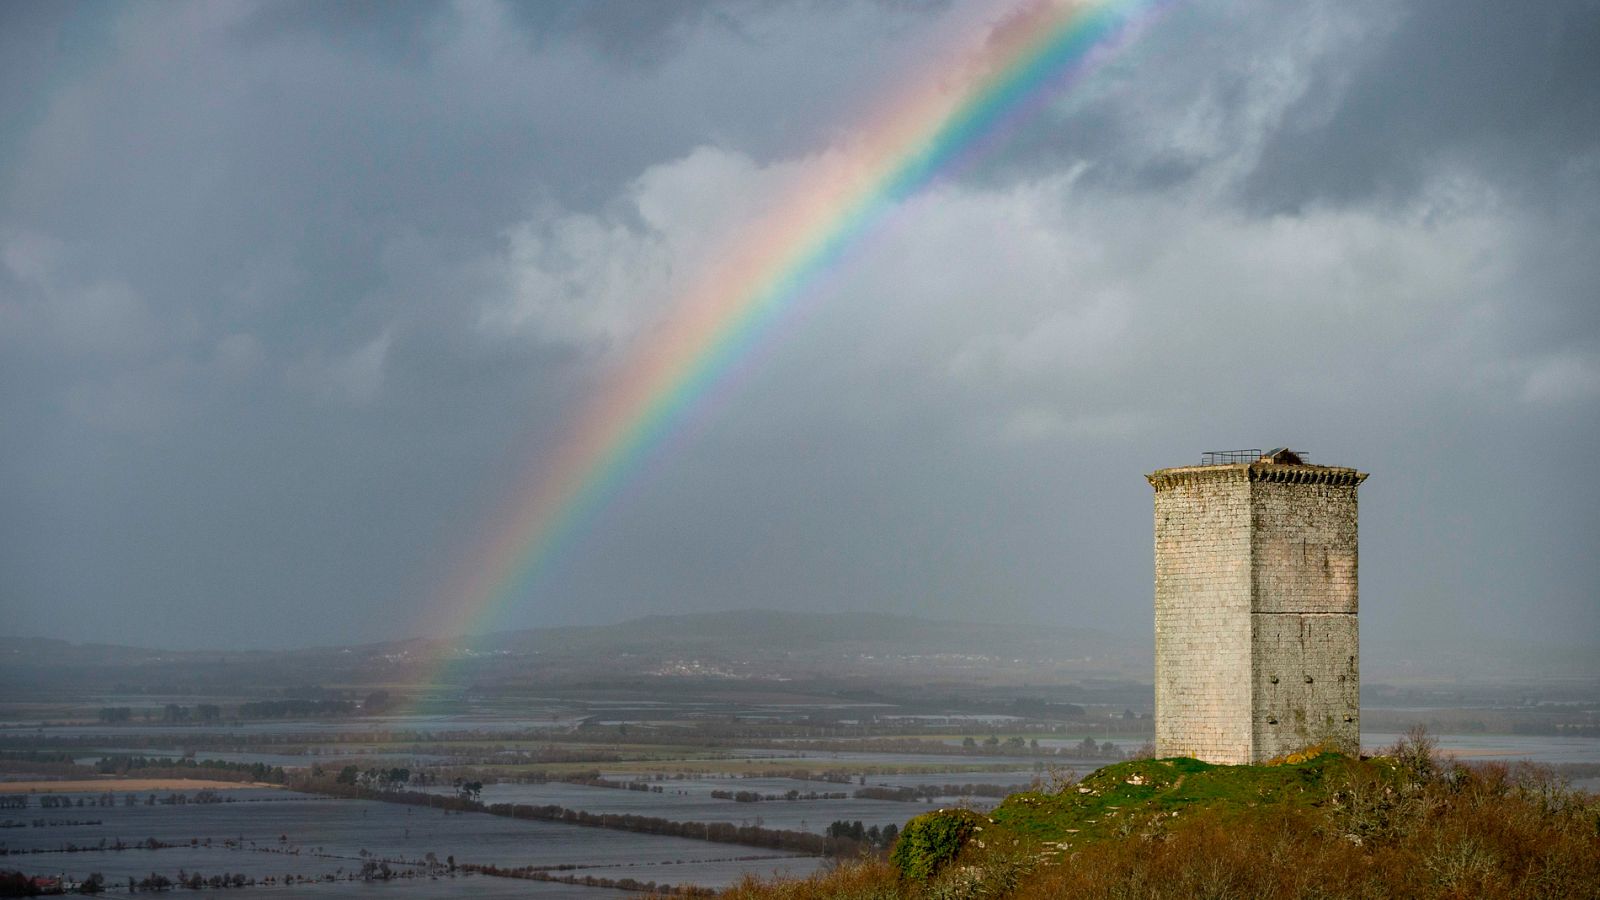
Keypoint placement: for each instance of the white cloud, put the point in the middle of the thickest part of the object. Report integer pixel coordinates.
(599, 279)
(78, 314)
(1562, 378)
(355, 376)
(238, 355)
(1055, 308)
(105, 319)
(115, 363)
(576, 279)
(139, 399)
(32, 258)
(1077, 336)
(1028, 424)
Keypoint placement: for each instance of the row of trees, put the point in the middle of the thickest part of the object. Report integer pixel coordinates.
(161, 766)
(172, 713)
(295, 709)
(872, 836)
(194, 881)
(719, 832)
(753, 797)
(993, 742)
(591, 778)
(536, 873)
(381, 779)
(929, 791)
(394, 779)
(1088, 749)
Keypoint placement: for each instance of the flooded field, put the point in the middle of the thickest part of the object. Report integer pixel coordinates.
(691, 801)
(275, 833)
(400, 806)
(1538, 748)
(322, 845)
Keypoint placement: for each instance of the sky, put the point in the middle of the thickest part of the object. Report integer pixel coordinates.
(292, 293)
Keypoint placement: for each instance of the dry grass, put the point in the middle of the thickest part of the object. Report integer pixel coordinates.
(1471, 833)
(866, 880)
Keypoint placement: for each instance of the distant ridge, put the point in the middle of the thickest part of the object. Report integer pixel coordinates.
(775, 635)
(811, 632)
(802, 629)
(740, 645)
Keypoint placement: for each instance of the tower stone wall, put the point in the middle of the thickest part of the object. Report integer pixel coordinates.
(1255, 609)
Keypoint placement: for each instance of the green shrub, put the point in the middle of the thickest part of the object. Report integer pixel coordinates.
(932, 840)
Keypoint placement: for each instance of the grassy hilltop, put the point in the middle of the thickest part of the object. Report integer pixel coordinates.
(1315, 825)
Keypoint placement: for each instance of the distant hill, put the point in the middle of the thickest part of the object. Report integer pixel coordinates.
(1388, 658)
(741, 631)
(745, 643)
(709, 633)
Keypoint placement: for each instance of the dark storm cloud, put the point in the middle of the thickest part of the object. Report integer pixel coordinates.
(646, 33)
(245, 260)
(1214, 81)
(1508, 88)
(406, 32)
(637, 33)
(290, 295)
(402, 31)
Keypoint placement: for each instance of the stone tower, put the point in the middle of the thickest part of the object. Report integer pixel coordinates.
(1256, 649)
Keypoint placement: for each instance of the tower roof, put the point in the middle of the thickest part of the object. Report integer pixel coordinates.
(1278, 464)
(1277, 455)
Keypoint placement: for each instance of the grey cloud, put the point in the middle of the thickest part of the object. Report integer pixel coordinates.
(644, 35)
(292, 294)
(354, 376)
(400, 31)
(1216, 82)
(1042, 328)
(633, 33)
(1507, 88)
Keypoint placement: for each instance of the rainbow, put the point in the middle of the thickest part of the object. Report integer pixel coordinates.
(918, 135)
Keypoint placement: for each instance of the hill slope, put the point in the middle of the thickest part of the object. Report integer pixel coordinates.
(1325, 826)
